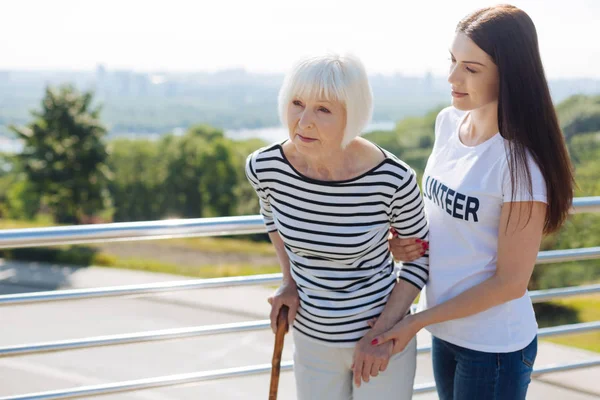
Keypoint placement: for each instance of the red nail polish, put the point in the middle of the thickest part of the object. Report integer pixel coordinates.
(374, 342)
(419, 241)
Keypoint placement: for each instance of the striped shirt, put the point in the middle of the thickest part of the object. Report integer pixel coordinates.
(336, 237)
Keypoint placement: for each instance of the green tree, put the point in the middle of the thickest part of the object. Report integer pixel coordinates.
(579, 115)
(222, 173)
(206, 131)
(22, 201)
(64, 156)
(183, 183)
(137, 190)
(18, 198)
(199, 174)
(202, 174)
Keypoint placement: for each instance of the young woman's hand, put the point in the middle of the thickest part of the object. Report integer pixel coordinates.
(395, 348)
(400, 334)
(406, 249)
(286, 294)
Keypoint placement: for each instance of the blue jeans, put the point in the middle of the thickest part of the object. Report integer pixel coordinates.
(464, 374)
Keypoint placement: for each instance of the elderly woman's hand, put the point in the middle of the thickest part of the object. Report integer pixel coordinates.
(406, 249)
(368, 359)
(286, 294)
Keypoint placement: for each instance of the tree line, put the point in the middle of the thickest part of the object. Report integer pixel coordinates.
(70, 171)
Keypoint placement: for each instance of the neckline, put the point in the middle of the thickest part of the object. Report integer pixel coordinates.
(477, 146)
(324, 182)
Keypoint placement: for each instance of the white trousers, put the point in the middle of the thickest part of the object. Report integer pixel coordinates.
(323, 373)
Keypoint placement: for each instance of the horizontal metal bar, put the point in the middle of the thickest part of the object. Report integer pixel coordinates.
(181, 379)
(422, 388)
(558, 256)
(128, 338)
(586, 205)
(571, 329)
(566, 367)
(191, 284)
(146, 230)
(430, 386)
(540, 296)
(196, 331)
(127, 290)
(166, 229)
(149, 383)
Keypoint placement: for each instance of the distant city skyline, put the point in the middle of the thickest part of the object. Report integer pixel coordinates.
(266, 36)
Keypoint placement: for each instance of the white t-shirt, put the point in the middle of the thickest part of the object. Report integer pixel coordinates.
(464, 189)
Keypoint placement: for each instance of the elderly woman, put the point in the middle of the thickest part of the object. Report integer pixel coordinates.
(329, 199)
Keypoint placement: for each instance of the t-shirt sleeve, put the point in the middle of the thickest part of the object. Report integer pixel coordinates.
(521, 191)
(263, 198)
(409, 220)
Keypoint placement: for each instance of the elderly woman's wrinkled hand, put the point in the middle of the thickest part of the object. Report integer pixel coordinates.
(286, 294)
(406, 249)
(369, 360)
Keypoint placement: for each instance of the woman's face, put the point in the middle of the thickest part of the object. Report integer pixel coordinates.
(473, 75)
(316, 126)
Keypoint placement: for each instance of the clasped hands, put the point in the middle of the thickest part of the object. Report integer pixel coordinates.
(373, 352)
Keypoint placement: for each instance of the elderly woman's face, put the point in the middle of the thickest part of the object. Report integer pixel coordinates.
(316, 125)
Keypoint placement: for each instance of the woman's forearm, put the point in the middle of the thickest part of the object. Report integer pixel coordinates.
(398, 304)
(518, 247)
(490, 293)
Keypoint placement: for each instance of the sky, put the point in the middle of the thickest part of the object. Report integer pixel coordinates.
(394, 36)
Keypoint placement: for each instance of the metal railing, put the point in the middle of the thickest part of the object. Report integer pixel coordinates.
(167, 229)
(18, 238)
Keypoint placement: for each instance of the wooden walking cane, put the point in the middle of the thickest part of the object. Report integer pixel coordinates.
(282, 328)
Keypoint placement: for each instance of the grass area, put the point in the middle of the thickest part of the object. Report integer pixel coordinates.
(90, 255)
(221, 245)
(202, 271)
(18, 224)
(588, 310)
(84, 256)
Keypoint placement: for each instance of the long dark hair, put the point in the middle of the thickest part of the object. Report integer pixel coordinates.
(526, 115)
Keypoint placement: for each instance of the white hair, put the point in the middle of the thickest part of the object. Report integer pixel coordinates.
(332, 78)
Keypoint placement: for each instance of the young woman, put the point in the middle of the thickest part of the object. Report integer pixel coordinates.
(499, 177)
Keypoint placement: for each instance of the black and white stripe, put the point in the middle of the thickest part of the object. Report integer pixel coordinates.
(335, 234)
